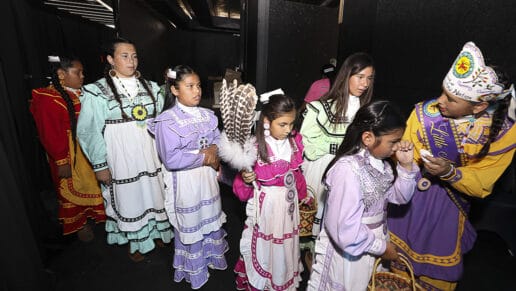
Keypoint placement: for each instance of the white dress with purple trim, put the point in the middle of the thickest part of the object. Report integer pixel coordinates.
(354, 229)
(192, 192)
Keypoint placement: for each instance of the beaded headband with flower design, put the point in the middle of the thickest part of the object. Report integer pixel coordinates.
(470, 79)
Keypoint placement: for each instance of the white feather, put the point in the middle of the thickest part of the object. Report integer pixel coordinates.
(236, 155)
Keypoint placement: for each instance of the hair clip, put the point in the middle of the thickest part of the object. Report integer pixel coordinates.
(171, 74)
(264, 98)
(54, 59)
(327, 70)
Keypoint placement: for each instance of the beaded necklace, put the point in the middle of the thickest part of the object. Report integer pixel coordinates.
(138, 111)
(126, 91)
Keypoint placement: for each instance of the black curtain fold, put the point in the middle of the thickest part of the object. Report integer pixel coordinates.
(31, 32)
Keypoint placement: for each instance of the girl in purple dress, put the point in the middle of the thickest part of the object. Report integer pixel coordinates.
(361, 180)
(270, 241)
(186, 140)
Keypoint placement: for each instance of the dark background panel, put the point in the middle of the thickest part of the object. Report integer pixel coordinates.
(302, 38)
(160, 45)
(415, 42)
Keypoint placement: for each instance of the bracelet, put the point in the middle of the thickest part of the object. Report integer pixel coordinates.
(450, 173)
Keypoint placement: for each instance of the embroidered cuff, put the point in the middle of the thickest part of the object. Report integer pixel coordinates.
(378, 247)
(452, 177)
(62, 162)
(99, 167)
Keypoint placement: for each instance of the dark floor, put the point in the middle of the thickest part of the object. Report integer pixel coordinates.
(74, 265)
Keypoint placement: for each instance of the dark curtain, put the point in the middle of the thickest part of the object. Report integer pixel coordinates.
(31, 32)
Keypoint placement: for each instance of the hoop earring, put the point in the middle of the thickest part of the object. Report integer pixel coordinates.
(266, 127)
(112, 73)
(137, 74)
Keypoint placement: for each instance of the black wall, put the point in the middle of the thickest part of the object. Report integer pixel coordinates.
(30, 33)
(293, 41)
(415, 42)
(160, 45)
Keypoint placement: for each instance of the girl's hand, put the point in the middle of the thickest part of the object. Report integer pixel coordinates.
(248, 177)
(437, 166)
(211, 157)
(405, 154)
(64, 171)
(104, 177)
(390, 253)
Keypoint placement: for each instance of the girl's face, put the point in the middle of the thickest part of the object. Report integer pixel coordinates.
(454, 107)
(125, 60)
(383, 146)
(281, 127)
(188, 91)
(360, 82)
(72, 77)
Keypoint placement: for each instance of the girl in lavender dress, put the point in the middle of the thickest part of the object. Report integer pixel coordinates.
(186, 140)
(270, 241)
(361, 180)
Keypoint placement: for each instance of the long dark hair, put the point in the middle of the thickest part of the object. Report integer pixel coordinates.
(380, 118)
(65, 63)
(109, 50)
(339, 91)
(277, 106)
(181, 72)
(499, 115)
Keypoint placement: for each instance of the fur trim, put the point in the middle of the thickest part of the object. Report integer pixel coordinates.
(237, 156)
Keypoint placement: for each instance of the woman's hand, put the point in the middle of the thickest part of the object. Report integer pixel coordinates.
(437, 166)
(104, 177)
(248, 177)
(64, 171)
(405, 154)
(390, 253)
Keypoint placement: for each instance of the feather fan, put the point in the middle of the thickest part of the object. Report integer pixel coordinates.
(237, 104)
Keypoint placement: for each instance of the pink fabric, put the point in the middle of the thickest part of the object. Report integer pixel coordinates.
(268, 175)
(317, 89)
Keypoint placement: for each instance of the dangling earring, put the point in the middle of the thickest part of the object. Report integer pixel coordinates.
(137, 74)
(266, 127)
(112, 73)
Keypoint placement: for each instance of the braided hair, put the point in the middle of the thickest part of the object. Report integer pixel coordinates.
(110, 51)
(65, 63)
(380, 118)
(499, 115)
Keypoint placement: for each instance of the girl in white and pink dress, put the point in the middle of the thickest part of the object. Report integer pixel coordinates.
(270, 254)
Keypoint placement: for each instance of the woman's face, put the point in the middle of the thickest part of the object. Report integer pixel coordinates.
(188, 91)
(72, 77)
(360, 82)
(281, 127)
(125, 60)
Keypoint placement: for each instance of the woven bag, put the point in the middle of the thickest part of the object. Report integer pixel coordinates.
(306, 217)
(388, 281)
